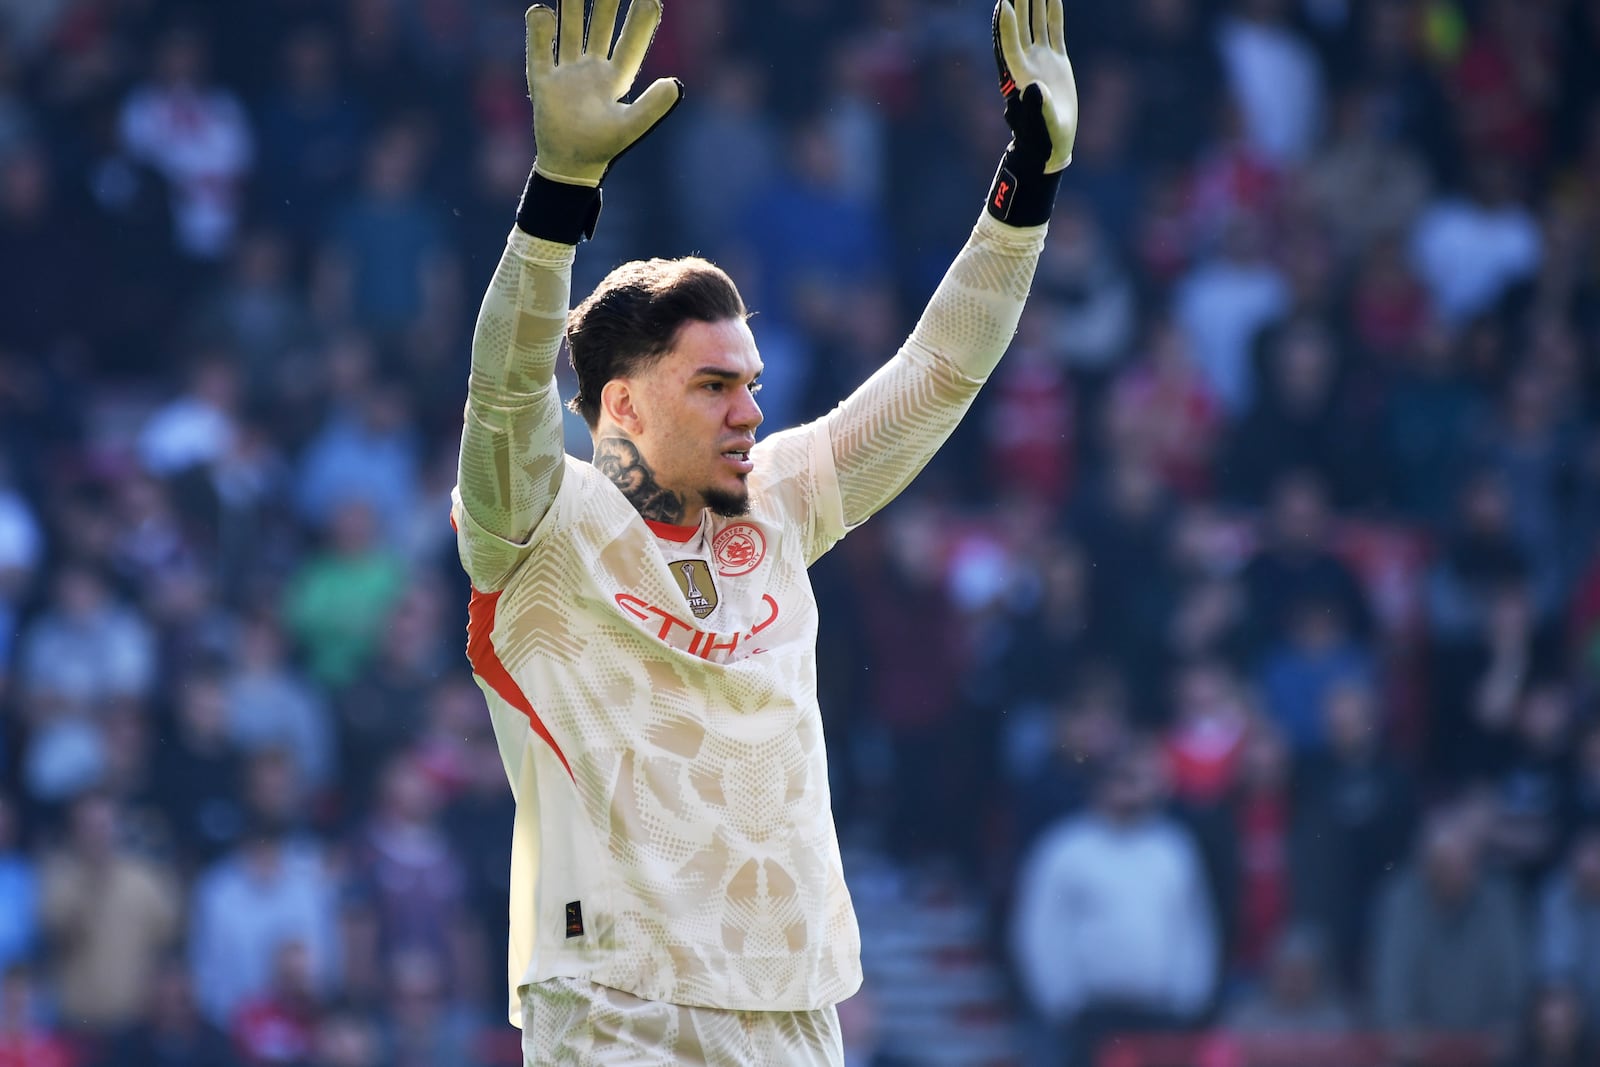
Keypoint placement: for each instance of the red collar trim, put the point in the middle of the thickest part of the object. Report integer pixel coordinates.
(667, 530)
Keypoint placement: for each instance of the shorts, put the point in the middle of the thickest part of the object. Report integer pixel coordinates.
(568, 1022)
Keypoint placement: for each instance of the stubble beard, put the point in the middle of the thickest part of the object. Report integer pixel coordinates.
(728, 505)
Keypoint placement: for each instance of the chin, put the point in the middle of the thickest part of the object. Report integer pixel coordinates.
(728, 504)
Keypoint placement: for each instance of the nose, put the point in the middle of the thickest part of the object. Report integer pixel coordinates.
(745, 414)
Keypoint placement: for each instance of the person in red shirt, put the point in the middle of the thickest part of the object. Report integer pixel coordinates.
(24, 1040)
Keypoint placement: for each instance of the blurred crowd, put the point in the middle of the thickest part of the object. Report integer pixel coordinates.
(1242, 649)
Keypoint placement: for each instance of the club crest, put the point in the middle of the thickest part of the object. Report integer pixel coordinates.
(739, 549)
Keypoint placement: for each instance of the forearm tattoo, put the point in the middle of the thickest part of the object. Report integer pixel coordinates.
(618, 459)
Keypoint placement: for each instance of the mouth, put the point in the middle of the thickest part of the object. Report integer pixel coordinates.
(740, 458)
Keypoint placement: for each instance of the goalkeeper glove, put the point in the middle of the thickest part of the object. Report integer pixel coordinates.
(581, 125)
(1041, 109)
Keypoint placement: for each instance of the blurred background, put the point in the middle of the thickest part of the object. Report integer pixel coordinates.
(1229, 681)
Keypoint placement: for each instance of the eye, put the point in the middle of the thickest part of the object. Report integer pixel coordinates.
(715, 387)
(755, 387)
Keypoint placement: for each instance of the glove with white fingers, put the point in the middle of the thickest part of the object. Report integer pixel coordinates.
(1041, 109)
(581, 124)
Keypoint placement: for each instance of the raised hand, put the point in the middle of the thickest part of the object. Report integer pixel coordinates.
(577, 81)
(1036, 78)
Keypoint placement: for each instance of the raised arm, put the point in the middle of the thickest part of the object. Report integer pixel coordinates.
(888, 429)
(511, 456)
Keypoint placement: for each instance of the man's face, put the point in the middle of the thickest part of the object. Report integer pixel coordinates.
(698, 416)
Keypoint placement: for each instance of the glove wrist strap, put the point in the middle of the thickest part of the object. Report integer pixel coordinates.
(1022, 193)
(558, 211)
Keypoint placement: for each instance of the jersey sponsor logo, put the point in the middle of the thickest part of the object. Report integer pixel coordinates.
(681, 633)
(739, 549)
(575, 918)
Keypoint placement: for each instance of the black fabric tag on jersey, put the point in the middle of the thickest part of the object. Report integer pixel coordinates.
(575, 919)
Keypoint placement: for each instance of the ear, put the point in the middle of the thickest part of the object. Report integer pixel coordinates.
(618, 404)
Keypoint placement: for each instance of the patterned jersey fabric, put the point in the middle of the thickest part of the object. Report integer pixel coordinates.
(654, 696)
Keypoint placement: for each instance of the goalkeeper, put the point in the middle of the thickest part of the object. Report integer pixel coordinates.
(642, 626)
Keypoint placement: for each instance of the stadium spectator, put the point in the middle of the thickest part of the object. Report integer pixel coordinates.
(1298, 994)
(407, 887)
(1296, 564)
(1225, 302)
(27, 1039)
(1317, 655)
(274, 888)
(365, 451)
(1365, 184)
(311, 129)
(808, 238)
(1482, 554)
(1470, 250)
(1087, 294)
(173, 1034)
(36, 268)
(1164, 409)
(337, 601)
(1569, 923)
(1085, 724)
(19, 894)
(428, 1026)
(388, 262)
(271, 705)
(1449, 949)
(1355, 808)
(1557, 1030)
(109, 915)
(350, 1036)
(1275, 77)
(1480, 680)
(1123, 518)
(1429, 415)
(1211, 723)
(1178, 77)
(279, 1024)
(255, 313)
(726, 118)
(196, 771)
(89, 648)
(1300, 419)
(197, 427)
(197, 135)
(1256, 881)
(1529, 798)
(1031, 418)
(1114, 928)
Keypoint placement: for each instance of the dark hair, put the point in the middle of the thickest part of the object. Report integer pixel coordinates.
(633, 317)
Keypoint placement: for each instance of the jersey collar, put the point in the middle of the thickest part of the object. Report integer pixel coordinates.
(667, 531)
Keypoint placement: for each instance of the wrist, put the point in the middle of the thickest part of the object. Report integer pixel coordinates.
(561, 211)
(1023, 193)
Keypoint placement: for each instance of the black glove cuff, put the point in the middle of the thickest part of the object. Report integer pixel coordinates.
(1022, 193)
(558, 211)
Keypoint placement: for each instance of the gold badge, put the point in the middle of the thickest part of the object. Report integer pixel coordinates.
(694, 581)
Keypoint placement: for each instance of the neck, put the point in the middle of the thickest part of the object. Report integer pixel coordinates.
(620, 460)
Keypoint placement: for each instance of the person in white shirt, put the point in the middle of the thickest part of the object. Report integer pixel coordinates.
(1471, 250)
(1113, 927)
(643, 627)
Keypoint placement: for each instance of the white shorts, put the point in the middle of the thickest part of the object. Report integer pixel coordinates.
(568, 1022)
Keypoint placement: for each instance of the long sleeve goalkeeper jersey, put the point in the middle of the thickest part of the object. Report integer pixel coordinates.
(653, 690)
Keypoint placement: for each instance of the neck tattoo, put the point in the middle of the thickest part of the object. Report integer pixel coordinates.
(619, 460)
